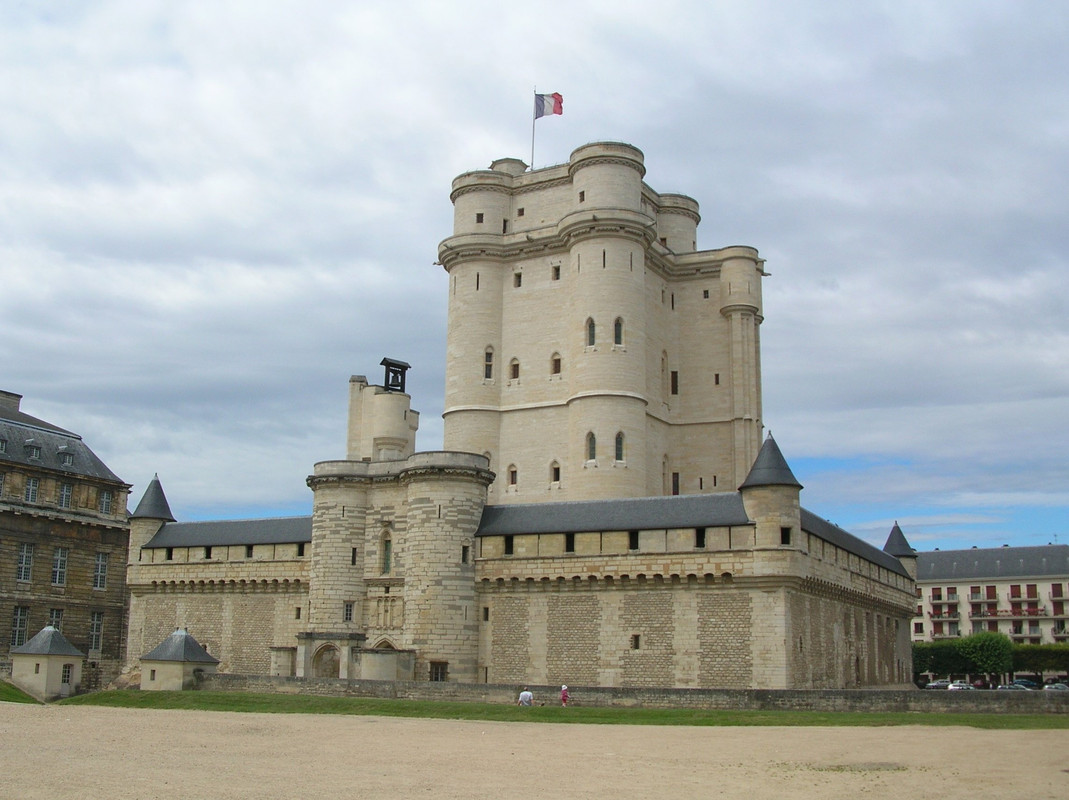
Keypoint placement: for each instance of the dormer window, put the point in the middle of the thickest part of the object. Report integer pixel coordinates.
(3, 445)
(33, 451)
(67, 459)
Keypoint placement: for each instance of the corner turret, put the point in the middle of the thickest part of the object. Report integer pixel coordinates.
(151, 514)
(898, 547)
(770, 495)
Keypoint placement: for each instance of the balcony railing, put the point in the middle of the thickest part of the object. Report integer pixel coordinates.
(944, 615)
(979, 598)
(1060, 634)
(950, 598)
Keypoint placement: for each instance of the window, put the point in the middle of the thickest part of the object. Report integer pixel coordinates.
(705, 294)
(554, 472)
(439, 671)
(65, 493)
(591, 447)
(699, 537)
(67, 459)
(620, 446)
(675, 483)
(514, 475)
(65, 676)
(55, 618)
(59, 566)
(488, 365)
(486, 613)
(105, 501)
(582, 197)
(514, 370)
(517, 279)
(152, 674)
(352, 557)
(632, 540)
(1031, 591)
(208, 552)
(30, 495)
(591, 333)
(918, 627)
(554, 272)
(297, 612)
(504, 226)
(248, 551)
(509, 544)
(25, 564)
(636, 641)
(554, 364)
(300, 549)
(465, 553)
(169, 554)
(347, 612)
(33, 451)
(1, 484)
(569, 543)
(3, 445)
(1015, 590)
(96, 630)
(618, 331)
(675, 382)
(784, 535)
(19, 623)
(387, 553)
(100, 570)
(479, 218)
(519, 212)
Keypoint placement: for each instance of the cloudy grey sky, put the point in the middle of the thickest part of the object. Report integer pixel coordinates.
(213, 213)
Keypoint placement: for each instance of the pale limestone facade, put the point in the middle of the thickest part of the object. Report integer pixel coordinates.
(593, 356)
(579, 307)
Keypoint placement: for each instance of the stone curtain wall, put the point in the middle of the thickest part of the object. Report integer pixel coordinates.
(725, 625)
(573, 639)
(707, 699)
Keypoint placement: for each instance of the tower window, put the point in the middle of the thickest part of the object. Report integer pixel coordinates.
(514, 370)
(582, 197)
(554, 272)
(347, 612)
(554, 472)
(514, 475)
(465, 553)
(675, 483)
(591, 333)
(716, 379)
(784, 535)
(705, 294)
(591, 447)
(517, 279)
(519, 212)
(675, 381)
(618, 331)
(636, 641)
(488, 365)
(504, 226)
(620, 446)
(479, 218)
(554, 364)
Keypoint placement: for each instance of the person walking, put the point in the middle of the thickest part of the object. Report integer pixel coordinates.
(564, 696)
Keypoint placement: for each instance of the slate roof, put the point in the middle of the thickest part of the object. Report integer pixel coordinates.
(22, 432)
(897, 545)
(153, 503)
(277, 530)
(180, 646)
(642, 513)
(770, 468)
(646, 513)
(48, 642)
(993, 562)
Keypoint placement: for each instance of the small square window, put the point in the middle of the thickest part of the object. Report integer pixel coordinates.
(705, 294)
(479, 217)
(439, 671)
(68, 459)
(519, 212)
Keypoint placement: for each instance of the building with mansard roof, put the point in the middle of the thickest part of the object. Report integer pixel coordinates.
(607, 511)
(63, 542)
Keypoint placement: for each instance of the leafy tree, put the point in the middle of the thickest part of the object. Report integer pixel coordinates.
(987, 652)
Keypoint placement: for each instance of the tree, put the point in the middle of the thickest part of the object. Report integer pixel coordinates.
(988, 653)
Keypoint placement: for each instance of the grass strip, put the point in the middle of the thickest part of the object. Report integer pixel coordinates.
(11, 694)
(313, 704)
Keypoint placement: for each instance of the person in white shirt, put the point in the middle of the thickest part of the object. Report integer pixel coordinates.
(526, 698)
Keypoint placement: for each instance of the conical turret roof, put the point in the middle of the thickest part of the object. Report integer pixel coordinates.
(897, 545)
(770, 468)
(153, 503)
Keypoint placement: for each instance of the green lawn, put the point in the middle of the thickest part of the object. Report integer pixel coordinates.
(307, 704)
(9, 694)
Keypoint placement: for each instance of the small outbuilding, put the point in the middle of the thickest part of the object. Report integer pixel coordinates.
(48, 666)
(174, 664)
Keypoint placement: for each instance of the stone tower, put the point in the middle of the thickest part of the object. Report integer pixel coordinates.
(593, 352)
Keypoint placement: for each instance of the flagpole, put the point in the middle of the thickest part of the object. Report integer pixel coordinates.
(533, 118)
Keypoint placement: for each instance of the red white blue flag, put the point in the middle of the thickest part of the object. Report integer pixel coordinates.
(546, 104)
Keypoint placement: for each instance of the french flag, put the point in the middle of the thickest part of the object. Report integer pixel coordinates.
(546, 104)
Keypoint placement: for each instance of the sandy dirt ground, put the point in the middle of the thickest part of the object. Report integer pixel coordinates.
(75, 752)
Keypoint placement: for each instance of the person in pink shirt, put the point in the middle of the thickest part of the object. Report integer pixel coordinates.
(564, 696)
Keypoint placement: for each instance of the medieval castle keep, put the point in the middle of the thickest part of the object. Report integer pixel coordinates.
(606, 512)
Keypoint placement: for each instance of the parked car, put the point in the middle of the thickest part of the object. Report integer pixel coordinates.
(942, 683)
(1026, 683)
(1056, 687)
(1012, 687)
(956, 686)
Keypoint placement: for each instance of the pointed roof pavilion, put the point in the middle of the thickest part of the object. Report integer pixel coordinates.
(770, 468)
(153, 503)
(180, 646)
(48, 642)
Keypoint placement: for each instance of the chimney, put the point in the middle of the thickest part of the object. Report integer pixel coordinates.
(9, 401)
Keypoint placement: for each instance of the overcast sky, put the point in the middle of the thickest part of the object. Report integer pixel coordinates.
(212, 214)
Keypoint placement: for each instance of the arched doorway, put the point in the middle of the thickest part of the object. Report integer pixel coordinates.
(325, 663)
